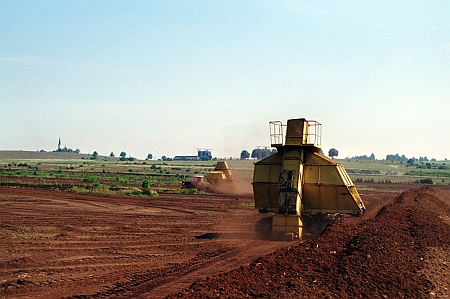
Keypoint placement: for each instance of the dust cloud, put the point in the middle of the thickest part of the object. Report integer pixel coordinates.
(243, 181)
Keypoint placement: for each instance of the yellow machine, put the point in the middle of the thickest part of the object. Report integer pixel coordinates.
(220, 180)
(298, 180)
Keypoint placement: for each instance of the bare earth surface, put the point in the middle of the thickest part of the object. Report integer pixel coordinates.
(65, 245)
(403, 252)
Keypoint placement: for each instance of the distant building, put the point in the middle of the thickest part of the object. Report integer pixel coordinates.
(202, 154)
(186, 158)
(65, 149)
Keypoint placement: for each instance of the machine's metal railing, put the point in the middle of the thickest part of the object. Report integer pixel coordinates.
(278, 131)
(314, 132)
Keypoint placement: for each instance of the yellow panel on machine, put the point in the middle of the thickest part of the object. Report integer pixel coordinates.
(299, 181)
(221, 179)
(266, 187)
(216, 176)
(327, 188)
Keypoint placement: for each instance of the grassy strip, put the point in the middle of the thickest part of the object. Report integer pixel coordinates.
(428, 173)
(102, 189)
(190, 191)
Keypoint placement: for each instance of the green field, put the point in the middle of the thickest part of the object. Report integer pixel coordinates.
(397, 172)
(107, 174)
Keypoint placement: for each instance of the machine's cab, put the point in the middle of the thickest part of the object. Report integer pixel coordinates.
(298, 132)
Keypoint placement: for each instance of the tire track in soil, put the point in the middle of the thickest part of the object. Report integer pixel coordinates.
(137, 284)
(160, 283)
(242, 257)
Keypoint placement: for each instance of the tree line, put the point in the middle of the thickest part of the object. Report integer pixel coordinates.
(257, 153)
(364, 157)
(262, 153)
(395, 157)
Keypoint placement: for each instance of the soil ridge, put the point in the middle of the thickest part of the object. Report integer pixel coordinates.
(403, 252)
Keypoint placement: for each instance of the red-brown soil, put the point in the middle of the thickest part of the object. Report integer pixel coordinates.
(67, 245)
(403, 252)
(64, 245)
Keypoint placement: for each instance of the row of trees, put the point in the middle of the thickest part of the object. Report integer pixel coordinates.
(66, 150)
(261, 153)
(122, 156)
(396, 157)
(258, 153)
(403, 158)
(364, 157)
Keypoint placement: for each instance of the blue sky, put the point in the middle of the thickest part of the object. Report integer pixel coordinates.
(168, 77)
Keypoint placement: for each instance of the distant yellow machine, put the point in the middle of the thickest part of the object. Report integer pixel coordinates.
(220, 180)
(298, 180)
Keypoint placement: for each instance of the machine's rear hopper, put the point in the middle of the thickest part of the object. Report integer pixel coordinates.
(298, 180)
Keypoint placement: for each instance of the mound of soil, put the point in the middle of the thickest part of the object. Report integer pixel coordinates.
(402, 252)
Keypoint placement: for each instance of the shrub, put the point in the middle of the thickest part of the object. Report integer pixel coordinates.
(96, 188)
(75, 189)
(89, 179)
(139, 192)
(190, 191)
(149, 192)
(426, 181)
(145, 184)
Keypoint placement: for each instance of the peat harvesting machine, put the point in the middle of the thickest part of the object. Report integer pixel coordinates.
(219, 180)
(298, 184)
